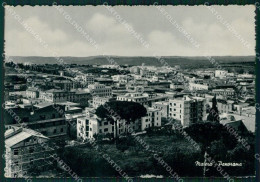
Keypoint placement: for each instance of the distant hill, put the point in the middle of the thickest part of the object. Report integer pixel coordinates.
(149, 61)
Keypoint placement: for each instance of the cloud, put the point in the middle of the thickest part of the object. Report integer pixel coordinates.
(114, 38)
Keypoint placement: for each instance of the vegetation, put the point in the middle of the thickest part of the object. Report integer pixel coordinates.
(221, 145)
(170, 145)
(213, 112)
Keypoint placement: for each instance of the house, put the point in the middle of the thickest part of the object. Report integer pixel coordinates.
(25, 149)
(45, 118)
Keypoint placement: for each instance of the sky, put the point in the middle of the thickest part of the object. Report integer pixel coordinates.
(113, 38)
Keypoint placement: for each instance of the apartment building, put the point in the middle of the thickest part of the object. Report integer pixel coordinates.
(224, 92)
(187, 109)
(63, 84)
(87, 79)
(87, 127)
(56, 96)
(221, 73)
(120, 78)
(163, 107)
(141, 98)
(100, 90)
(26, 149)
(152, 118)
(32, 93)
(45, 118)
(197, 86)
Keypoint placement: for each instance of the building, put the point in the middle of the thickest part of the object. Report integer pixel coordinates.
(88, 79)
(98, 101)
(147, 73)
(54, 95)
(141, 98)
(176, 86)
(220, 73)
(100, 90)
(25, 150)
(87, 127)
(32, 93)
(198, 86)
(163, 107)
(152, 118)
(63, 84)
(45, 118)
(223, 106)
(187, 109)
(224, 92)
(120, 78)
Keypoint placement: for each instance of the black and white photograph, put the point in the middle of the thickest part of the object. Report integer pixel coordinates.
(131, 92)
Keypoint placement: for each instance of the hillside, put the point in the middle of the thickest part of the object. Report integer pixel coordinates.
(151, 61)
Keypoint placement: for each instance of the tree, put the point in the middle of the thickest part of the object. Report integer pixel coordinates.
(213, 112)
(114, 111)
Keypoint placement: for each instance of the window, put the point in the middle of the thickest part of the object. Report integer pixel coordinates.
(106, 123)
(42, 117)
(15, 151)
(31, 150)
(106, 129)
(16, 163)
(61, 130)
(54, 131)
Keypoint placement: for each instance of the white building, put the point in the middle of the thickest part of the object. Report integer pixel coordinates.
(141, 98)
(152, 119)
(98, 101)
(119, 78)
(90, 125)
(197, 86)
(220, 73)
(87, 79)
(176, 86)
(187, 110)
(100, 90)
(163, 107)
(87, 127)
(224, 92)
(32, 93)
